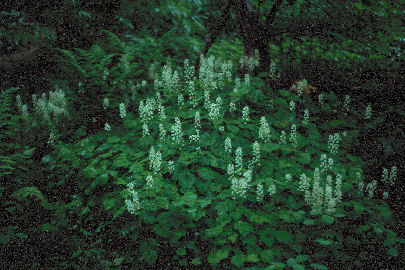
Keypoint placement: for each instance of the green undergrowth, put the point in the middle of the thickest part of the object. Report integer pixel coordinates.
(187, 214)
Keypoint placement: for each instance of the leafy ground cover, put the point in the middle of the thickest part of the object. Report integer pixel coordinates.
(204, 171)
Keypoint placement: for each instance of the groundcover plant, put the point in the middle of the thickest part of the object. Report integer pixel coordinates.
(216, 172)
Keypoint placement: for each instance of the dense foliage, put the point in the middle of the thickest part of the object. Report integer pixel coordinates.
(116, 152)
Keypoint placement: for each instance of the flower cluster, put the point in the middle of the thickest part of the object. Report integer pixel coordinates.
(123, 112)
(333, 143)
(170, 165)
(326, 164)
(283, 137)
(256, 155)
(371, 188)
(250, 62)
(207, 75)
(264, 130)
(146, 109)
(245, 115)
(228, 145)
(145, 130)
(238, 159)
(272, 189)
(214, 110)
(241, 185)
(232, 106)
(149, 181)
(47, 108)
(106, 103)
(306, 117)
(107, 127)
(188, 70)
(326, 196)
(259, 193)
(162, 114)
(293, 136)
(346, 104)
(180, 100)
(177, 133)
(132, 205)
(367, 114)
(360, 182)
(292, 105)
(192, 95)
(162, 133)
(155, 160)
(391, 177)
(320, 98)
(169, 82)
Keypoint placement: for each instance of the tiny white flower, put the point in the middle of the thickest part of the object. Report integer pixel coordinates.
(228, 145)
(264, 130)
(272, 189)
(293, 135)
(106, 103)
(232, 106)
(288, 177)
(259, 193)
(145, 130)
(304, 183)
(149, 181)
(320, 98)
(231, 169)
(346, 103)
(283, 137)
(122, 110)
(170, 165)
(245, 114)
(306, 117)
(292, 105)
(107, 127)
(367, 114)
(393, 175)
(238, 159)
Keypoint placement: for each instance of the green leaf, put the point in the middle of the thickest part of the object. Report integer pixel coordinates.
(181, 251)
(90, 172)
(392, 252)
(238, 260)
(327, 219)
(309, 221)
(252, 258)
(118, 261)
(267, 255)
(304, 158)
(212, 232)
(4, 239)
(206, 173)
(243, 228)
(189, 198)
(149, 257)
(130, 123)
(283, 236)
(196, 261)
(216, 256)
(318, 266)
(389, 242)
(324, 242)
(298, 267)
(76, 253)
(21, 235)
(267, 239)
